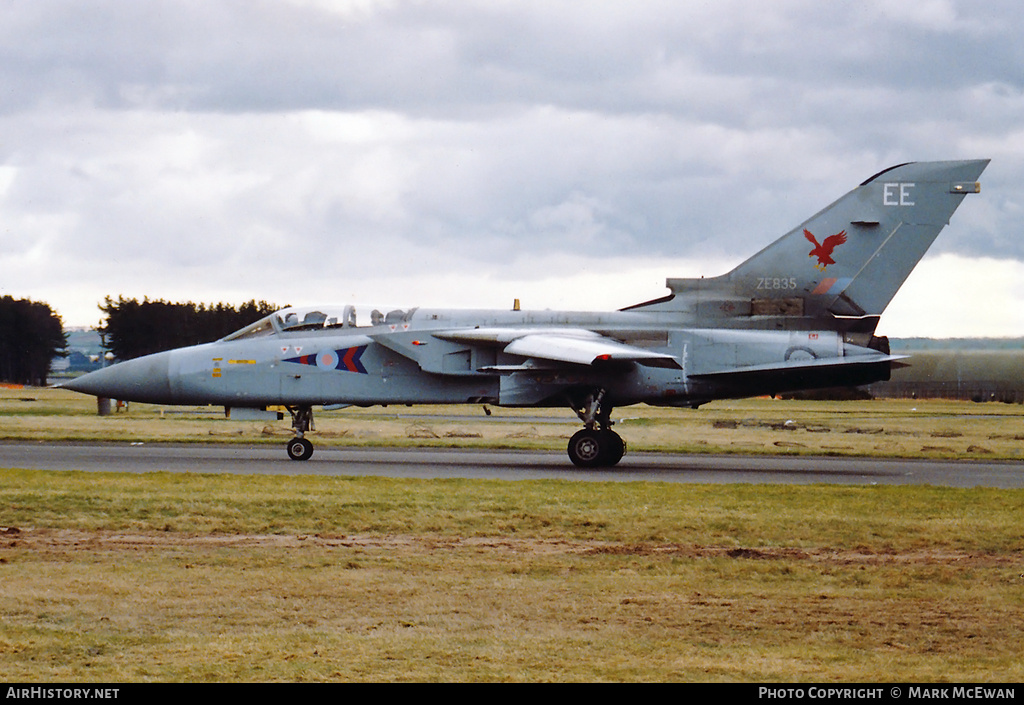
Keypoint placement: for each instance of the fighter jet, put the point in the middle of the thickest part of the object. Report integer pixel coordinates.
(786, 319)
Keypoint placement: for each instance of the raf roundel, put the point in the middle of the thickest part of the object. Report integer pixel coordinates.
(327, 360)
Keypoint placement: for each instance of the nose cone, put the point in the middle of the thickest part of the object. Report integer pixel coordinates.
(143, 379)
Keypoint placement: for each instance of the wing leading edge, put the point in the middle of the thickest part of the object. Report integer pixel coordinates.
(575, 346)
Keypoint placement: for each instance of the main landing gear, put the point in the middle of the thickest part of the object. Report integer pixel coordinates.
(597, 445)
(302, 421)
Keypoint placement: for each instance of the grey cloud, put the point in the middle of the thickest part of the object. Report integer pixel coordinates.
(166, 135)
(445, 56)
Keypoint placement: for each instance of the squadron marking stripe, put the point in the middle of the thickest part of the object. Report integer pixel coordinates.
(348, 360)
(351, 360)
(823, 287)
(831, 286)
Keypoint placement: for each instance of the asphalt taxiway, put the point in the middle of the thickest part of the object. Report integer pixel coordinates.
(509, 465)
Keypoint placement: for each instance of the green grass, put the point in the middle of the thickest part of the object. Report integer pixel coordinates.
(935, 517)
(168, 577)
(188, 577)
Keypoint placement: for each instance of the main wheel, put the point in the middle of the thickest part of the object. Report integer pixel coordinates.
(591, 449)
(613, 448)
(299, 449)
(585, 449)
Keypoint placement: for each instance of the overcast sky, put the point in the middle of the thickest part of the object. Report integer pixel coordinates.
(441, 153)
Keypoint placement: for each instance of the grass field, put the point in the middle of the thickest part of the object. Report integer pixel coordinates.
(188, 577)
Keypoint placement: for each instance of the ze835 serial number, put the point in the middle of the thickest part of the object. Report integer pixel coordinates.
(776, 283)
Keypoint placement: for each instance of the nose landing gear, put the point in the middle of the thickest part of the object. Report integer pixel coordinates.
(299, 448)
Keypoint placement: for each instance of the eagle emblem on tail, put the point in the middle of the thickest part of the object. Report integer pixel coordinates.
(823, 250)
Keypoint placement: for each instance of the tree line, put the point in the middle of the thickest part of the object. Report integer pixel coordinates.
(31, 335)
(133, 328)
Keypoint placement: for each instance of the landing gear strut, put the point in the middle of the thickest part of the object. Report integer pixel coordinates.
(597, 445)
(302, 421)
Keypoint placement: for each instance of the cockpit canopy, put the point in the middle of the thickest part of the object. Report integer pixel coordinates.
(295, 319)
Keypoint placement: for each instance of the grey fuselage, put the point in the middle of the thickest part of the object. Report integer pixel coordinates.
(403, 362)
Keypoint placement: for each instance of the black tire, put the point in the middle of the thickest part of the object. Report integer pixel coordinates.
(586, 449)
(614, 448)
(299, 449)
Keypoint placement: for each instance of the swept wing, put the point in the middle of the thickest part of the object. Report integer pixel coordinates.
(575, 346)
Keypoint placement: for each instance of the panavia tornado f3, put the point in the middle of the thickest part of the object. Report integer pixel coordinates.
(800, 314)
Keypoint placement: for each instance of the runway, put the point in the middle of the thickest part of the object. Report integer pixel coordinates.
(509, 465)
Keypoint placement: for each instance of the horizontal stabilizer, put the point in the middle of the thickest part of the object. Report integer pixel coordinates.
(738, 373)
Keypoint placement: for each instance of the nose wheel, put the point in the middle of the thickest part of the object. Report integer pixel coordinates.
(299, 449)
(302, 421)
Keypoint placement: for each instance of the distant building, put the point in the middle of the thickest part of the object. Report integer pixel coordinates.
(77, 361)
(85, 353)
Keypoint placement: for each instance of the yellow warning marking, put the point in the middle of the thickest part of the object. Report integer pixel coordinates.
(242, 362)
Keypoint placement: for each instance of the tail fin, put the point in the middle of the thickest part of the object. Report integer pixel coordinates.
(847, 261)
